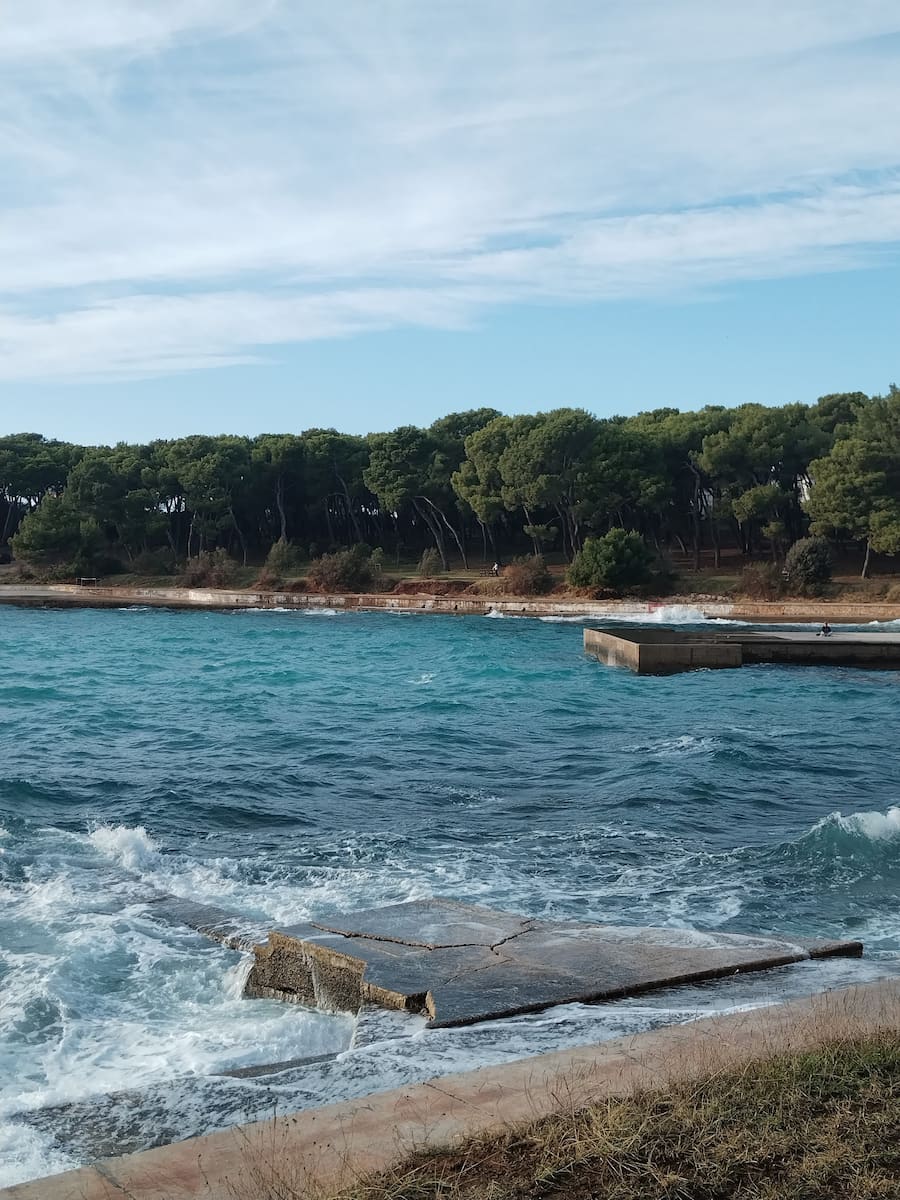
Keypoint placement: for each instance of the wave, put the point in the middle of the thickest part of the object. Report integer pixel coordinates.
(669, 614)
(865, 826)
(299, 612)
(130, 847)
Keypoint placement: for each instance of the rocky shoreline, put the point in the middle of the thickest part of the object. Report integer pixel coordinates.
(674, 608)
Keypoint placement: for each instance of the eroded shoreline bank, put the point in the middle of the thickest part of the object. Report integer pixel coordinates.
(676, 607)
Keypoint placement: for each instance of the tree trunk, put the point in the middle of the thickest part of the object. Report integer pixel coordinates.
(9, 509)
(695, 521)
(865, 566)
(350, 509)
(483, 541)
(279, 503)
(241, 537)
(456, 538)
(436, 533)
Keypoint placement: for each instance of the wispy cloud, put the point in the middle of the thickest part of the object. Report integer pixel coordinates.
(185, 186)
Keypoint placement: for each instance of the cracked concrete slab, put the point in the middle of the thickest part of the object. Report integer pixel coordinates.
(461, 963)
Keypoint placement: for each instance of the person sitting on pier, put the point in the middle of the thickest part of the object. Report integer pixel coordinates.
(825, 631)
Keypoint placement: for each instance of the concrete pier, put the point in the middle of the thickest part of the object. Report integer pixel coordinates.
(460, 963)
(657, 650)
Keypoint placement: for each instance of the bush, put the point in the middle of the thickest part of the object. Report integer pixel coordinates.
(761, 581)
(527, 576)
(430, 563)
(619, 560)
(154, 562)
(355, 570)
(212, 568)
(808, 566)
(282, 560)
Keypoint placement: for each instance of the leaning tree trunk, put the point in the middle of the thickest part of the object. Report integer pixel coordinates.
(279, 504)
(456, 538)
(241, 537)
(436, 532)
(865, 566)
(350, 509)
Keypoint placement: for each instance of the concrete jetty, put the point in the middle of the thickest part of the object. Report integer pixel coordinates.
(661, 650)
(460, 963)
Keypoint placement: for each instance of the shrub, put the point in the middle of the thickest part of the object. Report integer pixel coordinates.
(212, 568)
(761, 581)
(154, 562)
(282, 560)
(808, 566)
(619, 559)
(527, 576)
(355, 570)
(430, 563)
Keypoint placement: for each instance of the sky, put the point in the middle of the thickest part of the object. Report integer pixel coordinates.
(218, 216)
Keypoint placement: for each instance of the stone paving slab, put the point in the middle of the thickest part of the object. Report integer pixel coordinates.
(461, 963)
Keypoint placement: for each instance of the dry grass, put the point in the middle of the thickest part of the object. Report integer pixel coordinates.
(798, 1102)
(817, 1125)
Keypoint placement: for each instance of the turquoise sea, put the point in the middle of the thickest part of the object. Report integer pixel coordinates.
(285, 765)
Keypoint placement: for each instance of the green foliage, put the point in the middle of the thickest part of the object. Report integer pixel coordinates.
(808, 566)
(282, 560)
(55, 534)
(355, 570)
(856, 487)
(691, 483)
(543, 535)
(430, 563)
(211, 569)
(527, 576)
(617, 560)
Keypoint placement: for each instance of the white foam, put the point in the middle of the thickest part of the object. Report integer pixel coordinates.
(130, 847)
(876, 826)
(687, 744)
(668, 614)
(297, 612)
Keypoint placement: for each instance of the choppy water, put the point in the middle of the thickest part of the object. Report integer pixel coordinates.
(287, 765)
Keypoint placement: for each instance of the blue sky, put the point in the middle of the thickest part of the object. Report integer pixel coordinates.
(217, 216)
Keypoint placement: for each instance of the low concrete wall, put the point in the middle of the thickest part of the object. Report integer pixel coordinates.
(801, 611)
(662, 657)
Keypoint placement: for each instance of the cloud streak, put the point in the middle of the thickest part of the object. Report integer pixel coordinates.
(186, 188)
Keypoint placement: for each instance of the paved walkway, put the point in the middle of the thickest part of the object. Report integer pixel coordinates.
(326, 1148)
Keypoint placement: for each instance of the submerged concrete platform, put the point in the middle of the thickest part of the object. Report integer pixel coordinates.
(460, 963)
(659, 650)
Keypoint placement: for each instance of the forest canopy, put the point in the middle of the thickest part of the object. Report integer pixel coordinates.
(754, 478)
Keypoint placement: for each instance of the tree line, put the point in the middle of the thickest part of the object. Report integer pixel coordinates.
(474, 484)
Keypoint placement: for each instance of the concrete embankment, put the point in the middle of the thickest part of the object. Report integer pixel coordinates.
(675, 607)
(327, 1148)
